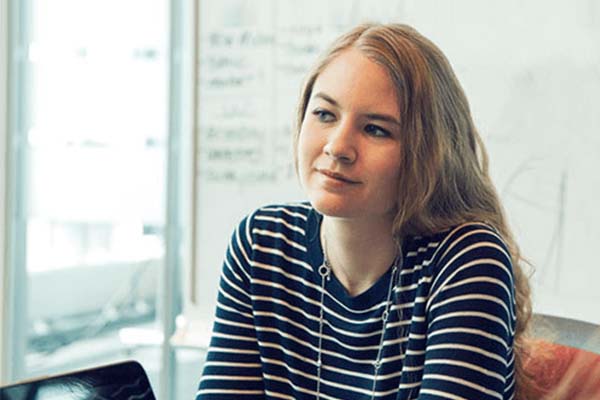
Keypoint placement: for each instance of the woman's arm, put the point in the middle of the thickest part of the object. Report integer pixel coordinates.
(471, 319)
(233, 367)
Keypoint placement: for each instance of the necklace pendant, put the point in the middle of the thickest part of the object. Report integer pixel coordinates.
(385, 315)
(376, 365)
(324, 270)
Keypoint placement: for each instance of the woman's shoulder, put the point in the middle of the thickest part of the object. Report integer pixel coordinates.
(474, 233)
(290, 212)
(467, 232)
(291, 209)
(279, 234)
(465, 241)
(293, 216)
(471, 232)
(471, 250)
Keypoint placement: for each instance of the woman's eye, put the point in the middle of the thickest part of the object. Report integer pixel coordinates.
(323, 115)
(376, 131)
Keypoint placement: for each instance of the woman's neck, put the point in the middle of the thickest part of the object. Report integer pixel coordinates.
(359, 252)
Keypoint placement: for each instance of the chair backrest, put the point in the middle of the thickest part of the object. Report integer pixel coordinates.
(567, 331)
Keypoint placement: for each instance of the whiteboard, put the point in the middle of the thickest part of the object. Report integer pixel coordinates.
(531, 71)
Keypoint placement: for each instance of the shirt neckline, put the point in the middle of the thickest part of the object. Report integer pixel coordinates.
(374, 295)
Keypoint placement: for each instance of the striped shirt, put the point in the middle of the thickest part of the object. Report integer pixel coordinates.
(449, 334)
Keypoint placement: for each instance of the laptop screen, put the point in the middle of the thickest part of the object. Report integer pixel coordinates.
(122, 381)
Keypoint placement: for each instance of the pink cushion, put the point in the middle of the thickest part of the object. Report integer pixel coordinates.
(563, 372)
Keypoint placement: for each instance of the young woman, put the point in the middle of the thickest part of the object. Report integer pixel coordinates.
(399, 278)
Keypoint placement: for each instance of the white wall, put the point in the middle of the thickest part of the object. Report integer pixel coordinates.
(3, 166)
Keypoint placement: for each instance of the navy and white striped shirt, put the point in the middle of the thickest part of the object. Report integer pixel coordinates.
(449, 336)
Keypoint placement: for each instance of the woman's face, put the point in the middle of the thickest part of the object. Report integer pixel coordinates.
(349, 144)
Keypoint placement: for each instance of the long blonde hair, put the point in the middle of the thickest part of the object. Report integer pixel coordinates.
(445, 179)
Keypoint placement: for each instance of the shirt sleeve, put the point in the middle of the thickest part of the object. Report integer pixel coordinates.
(471, 318)
(233, 368)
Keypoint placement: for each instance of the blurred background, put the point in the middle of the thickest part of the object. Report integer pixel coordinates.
(135, 134)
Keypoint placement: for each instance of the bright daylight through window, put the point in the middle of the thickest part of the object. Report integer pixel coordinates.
(93, 110)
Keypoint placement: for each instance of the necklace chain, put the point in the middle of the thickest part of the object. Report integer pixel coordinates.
(325, 273)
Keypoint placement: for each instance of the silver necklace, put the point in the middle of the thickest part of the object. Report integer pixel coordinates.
(325, 273)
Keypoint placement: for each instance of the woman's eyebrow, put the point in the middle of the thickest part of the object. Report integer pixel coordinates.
(384, 117)
(327, 98)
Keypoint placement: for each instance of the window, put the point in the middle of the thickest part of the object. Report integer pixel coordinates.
(90, 132)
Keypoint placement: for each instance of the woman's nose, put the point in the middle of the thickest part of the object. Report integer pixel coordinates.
(340, 144)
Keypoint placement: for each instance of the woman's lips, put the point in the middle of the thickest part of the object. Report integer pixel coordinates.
(337, 176)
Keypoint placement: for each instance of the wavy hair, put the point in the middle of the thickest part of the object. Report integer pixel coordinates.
(445, 179)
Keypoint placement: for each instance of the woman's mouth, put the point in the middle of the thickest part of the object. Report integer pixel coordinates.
(337, 176)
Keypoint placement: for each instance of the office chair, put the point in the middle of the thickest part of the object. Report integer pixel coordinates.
(559, 363)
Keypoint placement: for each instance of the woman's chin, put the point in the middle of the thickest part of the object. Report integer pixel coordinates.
(335, 207)
(348, 207)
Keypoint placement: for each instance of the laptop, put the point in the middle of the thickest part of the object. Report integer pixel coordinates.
(120, 381)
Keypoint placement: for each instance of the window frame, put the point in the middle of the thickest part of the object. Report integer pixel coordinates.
(14, 285)
(4, 164)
